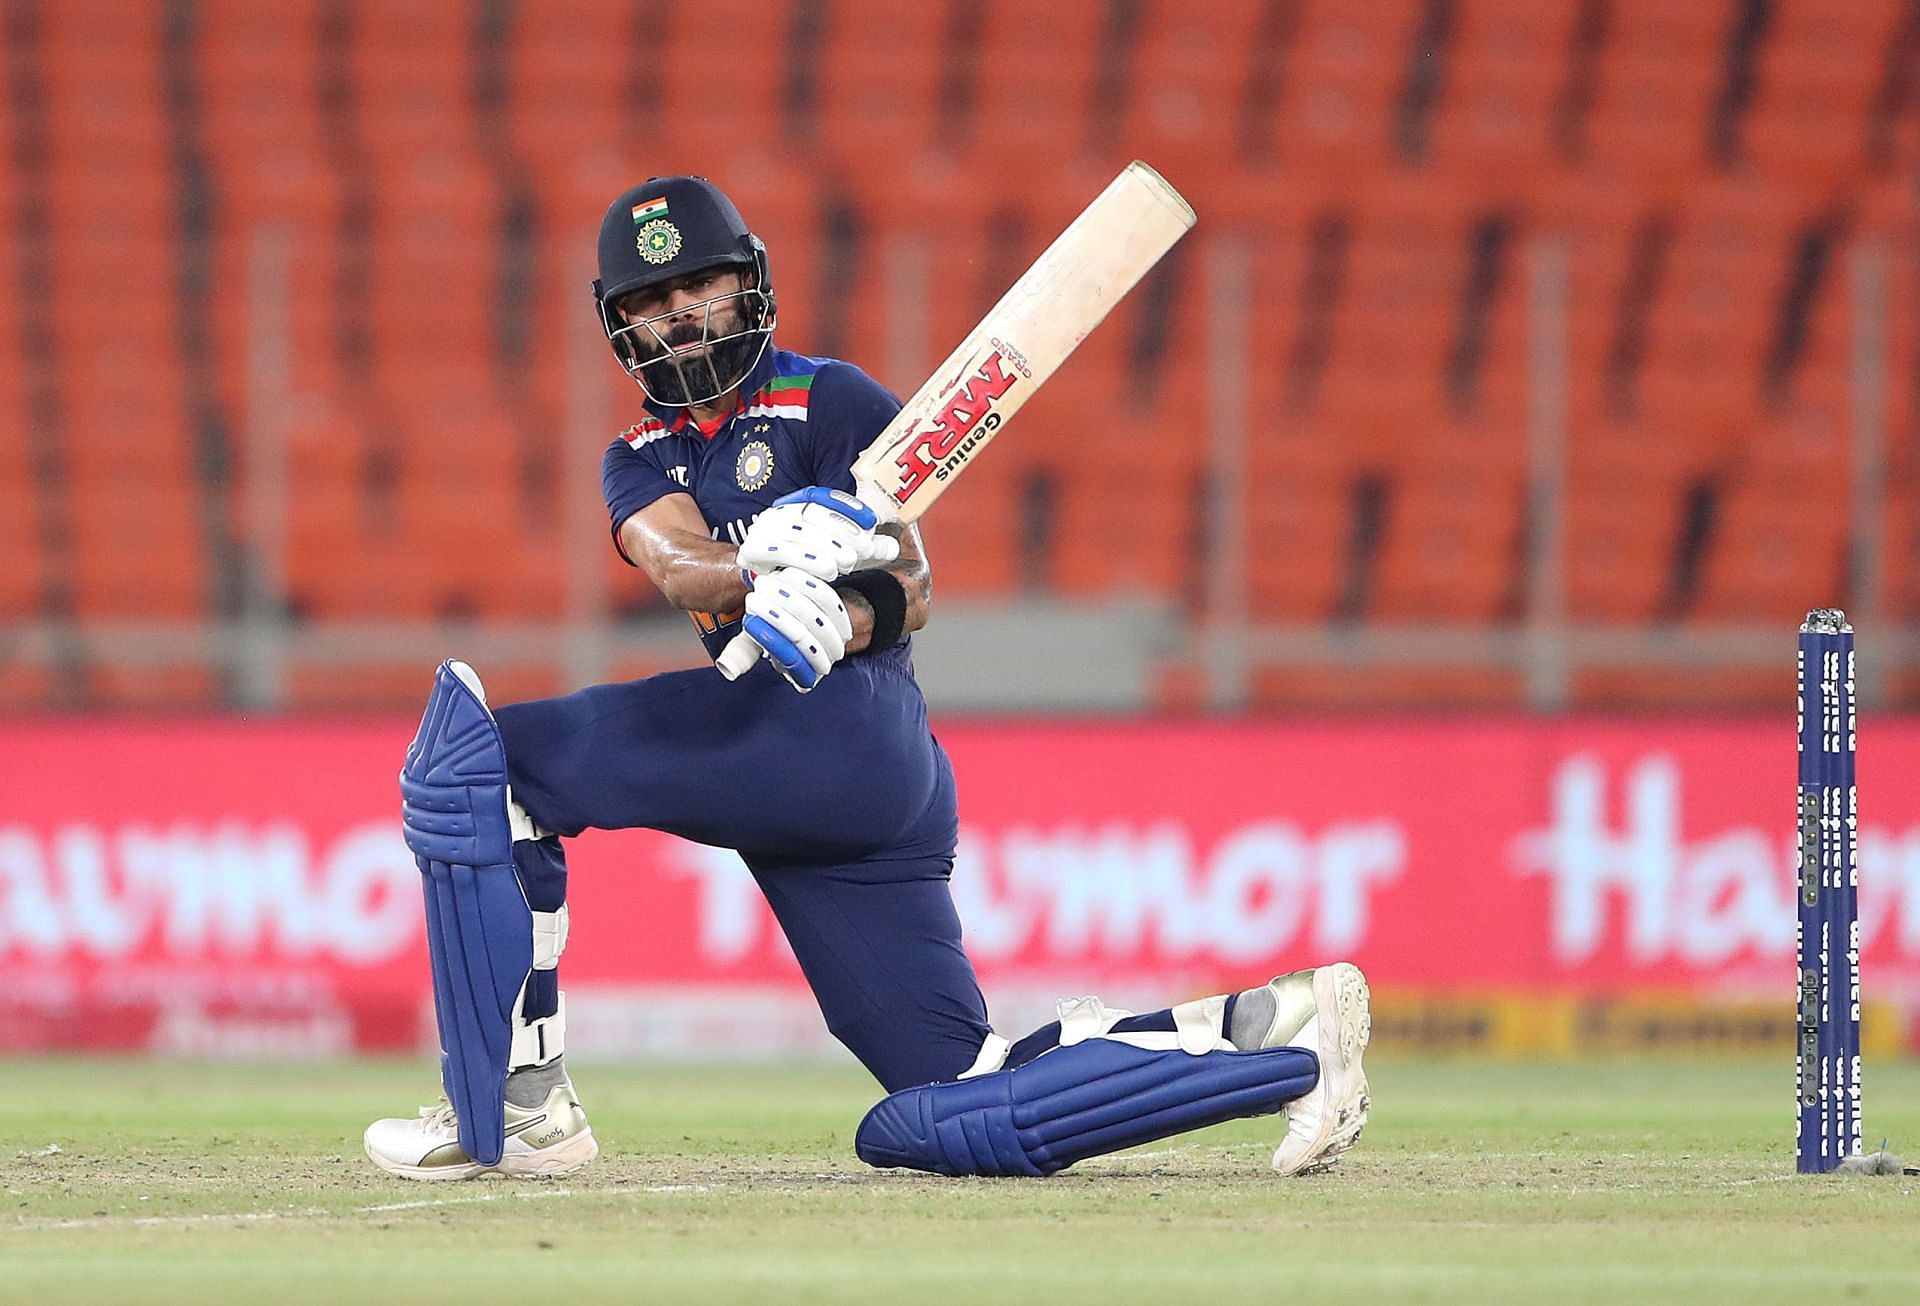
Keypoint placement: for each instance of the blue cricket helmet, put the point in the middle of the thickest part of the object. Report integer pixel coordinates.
(668, 227)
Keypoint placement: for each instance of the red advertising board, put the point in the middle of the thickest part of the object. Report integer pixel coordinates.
(226, 887)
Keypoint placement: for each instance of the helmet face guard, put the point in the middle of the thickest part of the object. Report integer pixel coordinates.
(665, 229)
(676, 367)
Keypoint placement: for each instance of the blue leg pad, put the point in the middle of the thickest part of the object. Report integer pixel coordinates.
(1095, 1097)
(479, 928)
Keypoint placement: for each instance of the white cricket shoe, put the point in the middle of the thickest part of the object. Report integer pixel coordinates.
(1326, 1122)
(542, 1142)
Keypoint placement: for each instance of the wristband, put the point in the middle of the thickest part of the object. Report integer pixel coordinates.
(887, 597)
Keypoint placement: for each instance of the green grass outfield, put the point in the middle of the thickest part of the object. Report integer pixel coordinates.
(1558, 1183)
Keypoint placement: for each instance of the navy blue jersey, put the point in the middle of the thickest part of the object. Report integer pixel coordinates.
(804, 423)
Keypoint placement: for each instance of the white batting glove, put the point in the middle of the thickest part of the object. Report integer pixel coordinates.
(800, 622)
(819, 531)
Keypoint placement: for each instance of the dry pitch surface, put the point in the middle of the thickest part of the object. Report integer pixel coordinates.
(1602, 1182)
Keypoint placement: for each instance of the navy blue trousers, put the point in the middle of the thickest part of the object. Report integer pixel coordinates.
(840, 802)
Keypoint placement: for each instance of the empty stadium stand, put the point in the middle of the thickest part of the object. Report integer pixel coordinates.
(364, 228)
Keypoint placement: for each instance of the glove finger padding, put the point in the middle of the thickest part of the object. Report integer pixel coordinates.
(879, 551)
(820, 531)
(827, 547)
(806, 611)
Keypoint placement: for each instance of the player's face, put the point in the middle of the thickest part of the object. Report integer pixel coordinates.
(686, 313)
(691, 340)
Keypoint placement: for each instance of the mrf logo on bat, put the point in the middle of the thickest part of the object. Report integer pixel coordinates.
(967, 420)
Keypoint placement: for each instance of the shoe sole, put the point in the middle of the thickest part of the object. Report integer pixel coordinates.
(1343, 988)
(548, 1163)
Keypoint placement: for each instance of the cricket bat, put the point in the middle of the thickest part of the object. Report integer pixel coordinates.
(1021, 342)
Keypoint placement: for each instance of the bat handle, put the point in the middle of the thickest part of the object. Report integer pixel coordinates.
(738, 657)
(884, 508)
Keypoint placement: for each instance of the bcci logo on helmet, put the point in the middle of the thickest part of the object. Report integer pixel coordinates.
(659, 241)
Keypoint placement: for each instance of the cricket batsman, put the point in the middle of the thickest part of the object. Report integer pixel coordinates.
(734, 495)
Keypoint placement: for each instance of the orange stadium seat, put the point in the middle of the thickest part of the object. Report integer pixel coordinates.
(1119, 534)
(1303, 525)
(974, 541)
(1689, 425)
(1618, 550)
(1805, 143)
(1036, 77)
(1897, 593)
(1627, 486)
(882, 74)
(1342, 78)
(139, 548)
(1770, 550)
(254, 68)
(574, 70)
(1659, 74)
(1505, 66)
(1293, 258)
(111, 108)
(388, 35)
(1189, 84)
(1692, 34)
(1817, 77)
(1729, 266)
(323, 545)
(100, 24)
(1450, 549)
(100, 204)
(688, 120)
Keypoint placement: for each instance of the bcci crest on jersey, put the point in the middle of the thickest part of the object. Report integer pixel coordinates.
(754, 467)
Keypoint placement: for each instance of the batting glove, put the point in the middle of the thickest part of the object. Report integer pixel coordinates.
(820, 531)
(800, 622)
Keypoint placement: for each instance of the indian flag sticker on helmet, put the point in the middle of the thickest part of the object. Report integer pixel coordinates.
(659, 240)
(647, 210)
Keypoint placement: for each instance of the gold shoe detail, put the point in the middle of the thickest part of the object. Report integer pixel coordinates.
(541, 1142)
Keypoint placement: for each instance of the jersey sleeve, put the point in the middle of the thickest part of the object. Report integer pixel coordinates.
(848, 409)
(631, 480)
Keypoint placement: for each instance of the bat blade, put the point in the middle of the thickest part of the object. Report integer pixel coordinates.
(1021, 342)
(1054, 305)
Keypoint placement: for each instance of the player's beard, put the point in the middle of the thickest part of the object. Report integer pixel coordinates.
(676, 382)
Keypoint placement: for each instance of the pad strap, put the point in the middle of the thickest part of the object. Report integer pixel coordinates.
(536, 1042)
(993, 1055)
(1084, 1018)
(549, 938)
(1201, 1025)
(522, 825)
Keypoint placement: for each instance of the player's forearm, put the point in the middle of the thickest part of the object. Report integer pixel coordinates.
(705, 585)
(695, 573)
